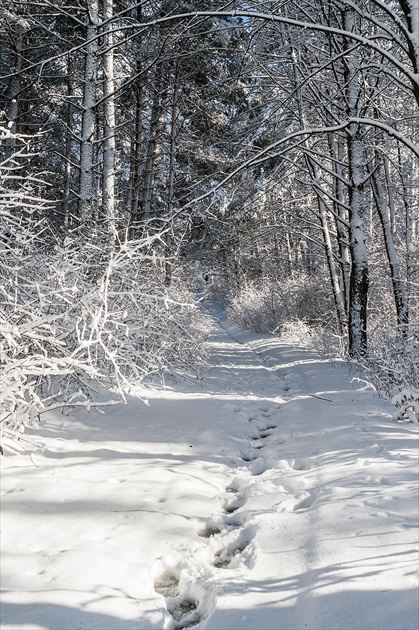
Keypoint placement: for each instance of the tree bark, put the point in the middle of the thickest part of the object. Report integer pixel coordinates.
(108, 185)
(359, 280)
(87, 184)
(400, 300)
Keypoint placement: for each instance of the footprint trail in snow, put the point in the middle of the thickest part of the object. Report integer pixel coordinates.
(275, 493)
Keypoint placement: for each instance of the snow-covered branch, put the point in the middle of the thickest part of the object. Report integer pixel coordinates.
(78, 312)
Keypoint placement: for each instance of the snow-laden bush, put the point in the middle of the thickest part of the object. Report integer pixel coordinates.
(253, 307)
(392, 367)
(79, 312)
(407, 404)
(76, 314)
(297, 331)
(265, 305)
(297, 309)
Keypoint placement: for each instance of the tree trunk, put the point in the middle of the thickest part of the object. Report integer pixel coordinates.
(65, 205)
(341, 217)
(108, 186)
(174, 113)
(155, 130)
(135, 159)
(359, 280)
(397, 283)
(87, 183)
(334, 276)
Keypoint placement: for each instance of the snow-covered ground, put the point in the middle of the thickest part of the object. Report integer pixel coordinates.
(276, 493)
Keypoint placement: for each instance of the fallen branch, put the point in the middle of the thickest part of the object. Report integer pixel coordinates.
(320, 397)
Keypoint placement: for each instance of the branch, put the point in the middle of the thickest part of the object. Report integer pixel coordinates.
(269, 17)
(266, 154)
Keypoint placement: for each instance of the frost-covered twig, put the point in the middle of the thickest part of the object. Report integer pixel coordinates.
(407, 403)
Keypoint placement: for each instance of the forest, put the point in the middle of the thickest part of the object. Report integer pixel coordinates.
(270, 146)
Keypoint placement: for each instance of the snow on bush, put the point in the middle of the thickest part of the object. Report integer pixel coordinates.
(297, 331)
(252, 307)
(74, 314)
(392, 367)
(319, 338)
(80, 312)
(407, 403)
(297, 309)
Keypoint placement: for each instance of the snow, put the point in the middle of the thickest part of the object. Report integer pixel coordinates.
(275, 493)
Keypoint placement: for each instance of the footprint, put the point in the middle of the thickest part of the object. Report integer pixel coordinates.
(234, 521)
(267, 414)
(293, 485)
(208, 531)
(223, 557)
(265, 434)
(259, 466)
(247, 457)
(385, 481)
(232, 507)
(185, 613)
(231, 489)
(364, 462)
(167, 584)
(268, 409)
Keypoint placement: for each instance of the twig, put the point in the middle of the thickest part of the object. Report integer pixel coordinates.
(320, 397)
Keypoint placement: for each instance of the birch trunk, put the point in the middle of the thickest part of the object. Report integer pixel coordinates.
(68, 146)
(341, 217)
(409, 223)
(87, 183)
(108, 186)
(359, 280)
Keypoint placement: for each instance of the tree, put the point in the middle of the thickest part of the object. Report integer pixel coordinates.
(268, 139)
(356, 37)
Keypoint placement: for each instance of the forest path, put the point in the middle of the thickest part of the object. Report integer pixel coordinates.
(324, 489)
(275, 493)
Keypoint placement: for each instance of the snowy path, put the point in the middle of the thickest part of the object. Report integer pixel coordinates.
(275, 494)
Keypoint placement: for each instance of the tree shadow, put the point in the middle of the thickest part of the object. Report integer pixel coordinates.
(349, 609)
(51, 616)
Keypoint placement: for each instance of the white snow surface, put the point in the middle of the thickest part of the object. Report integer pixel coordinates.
(275, 493)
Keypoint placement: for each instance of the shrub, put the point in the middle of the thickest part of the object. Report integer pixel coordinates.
(392, 367)
(296, 309)
(78, 312)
